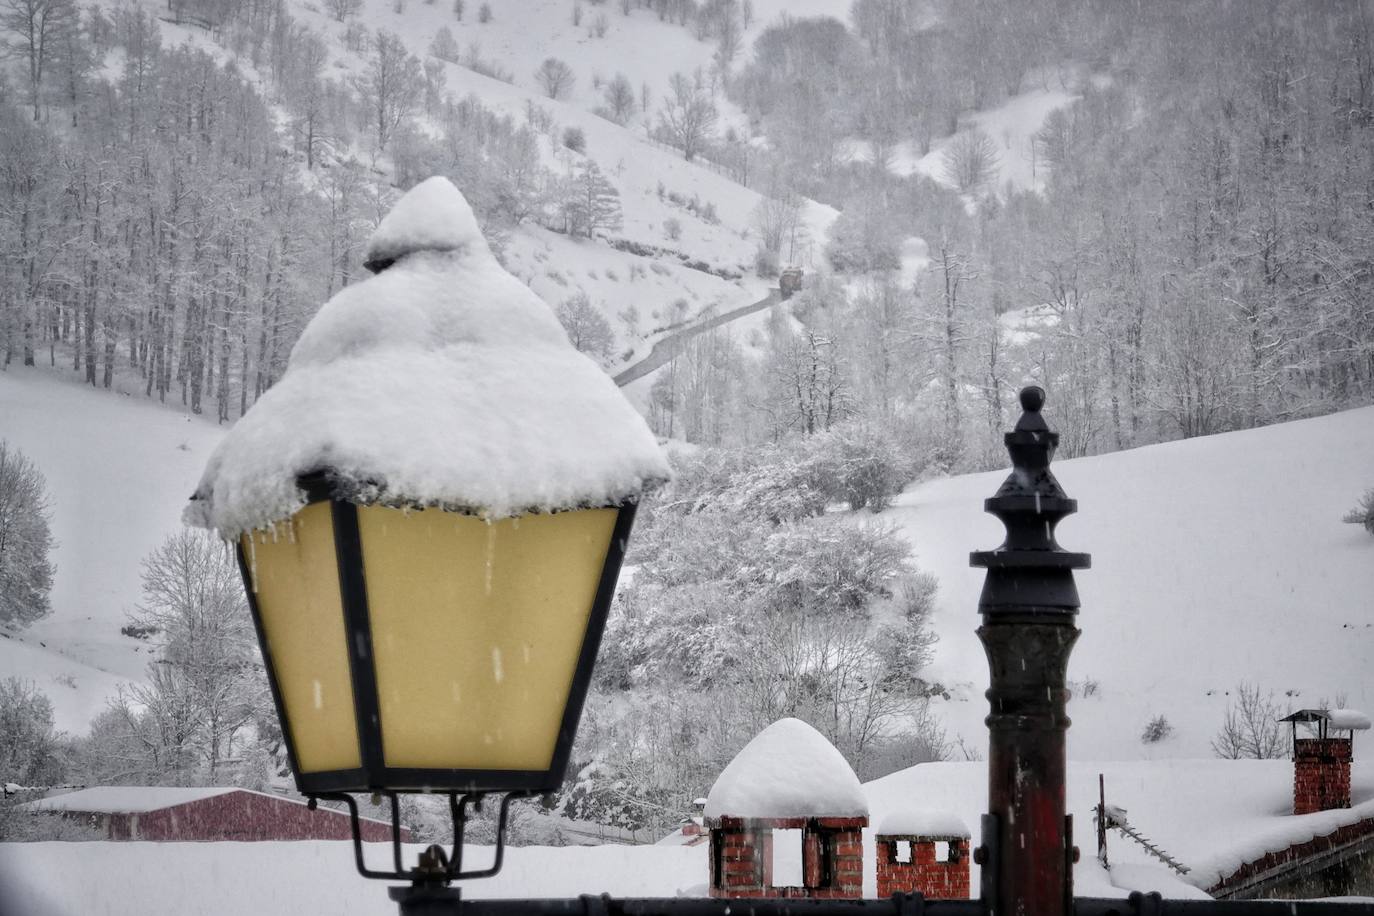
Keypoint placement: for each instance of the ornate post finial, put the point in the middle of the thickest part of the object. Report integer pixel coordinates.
(1030, 570)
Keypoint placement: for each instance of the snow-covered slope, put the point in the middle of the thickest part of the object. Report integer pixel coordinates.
(1215, 560)
(207, 879)
(1213, 815)
(1011, 126)
(643, 296)
(119, 469)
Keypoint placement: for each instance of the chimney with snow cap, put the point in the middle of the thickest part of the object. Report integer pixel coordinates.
(788, 785)
(1321, 761)
(923, 852)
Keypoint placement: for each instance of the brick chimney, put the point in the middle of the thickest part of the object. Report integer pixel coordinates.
(789, 785)
(1321, 764)
(923, 852)
(1321, 774)
(937, 867)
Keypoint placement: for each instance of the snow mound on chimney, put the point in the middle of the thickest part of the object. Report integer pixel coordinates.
(788, 770)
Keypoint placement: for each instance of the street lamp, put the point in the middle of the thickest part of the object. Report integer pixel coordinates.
(430, 510)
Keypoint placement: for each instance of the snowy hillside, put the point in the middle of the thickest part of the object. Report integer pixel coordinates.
(1215, 561)
(1195, 585)
(118, 469)
(675, 212)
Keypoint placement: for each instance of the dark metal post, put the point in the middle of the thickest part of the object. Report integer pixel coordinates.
(1028, 604)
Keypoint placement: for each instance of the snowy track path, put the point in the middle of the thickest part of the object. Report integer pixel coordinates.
(674, 343)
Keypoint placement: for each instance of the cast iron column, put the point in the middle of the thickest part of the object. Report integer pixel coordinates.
(1028, 605)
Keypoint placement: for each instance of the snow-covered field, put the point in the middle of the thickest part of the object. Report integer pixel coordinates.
(119, 469)
(1212, 815)
(236, 879)
(657, 186)
(1215, 561)
(1012, 127)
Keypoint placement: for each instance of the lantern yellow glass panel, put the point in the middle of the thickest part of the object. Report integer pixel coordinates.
(295, 580)
(476, 630)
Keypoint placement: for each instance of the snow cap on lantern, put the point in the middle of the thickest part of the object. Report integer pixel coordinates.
(441, 381)
(789, 770)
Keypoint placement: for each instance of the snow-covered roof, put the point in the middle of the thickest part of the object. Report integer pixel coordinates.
(442, 381)
(921, 822)
(125, 799)
(1351, 719)
(788, 770)
(1342, 719)
(1212, 815)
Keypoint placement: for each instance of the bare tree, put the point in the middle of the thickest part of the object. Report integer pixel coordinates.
(1252, 728)
(37, 26)
(307, 89)
(946, 330)
(444, 46)
(390, 86)
(969, 161)
(688, 117)
(1363, 513)
(25, 572)
(810, 391)
(343, 9)
(555, 77)
(28, 744)
(620, 98)
(204, 683)
(587, 328)
(777, 218)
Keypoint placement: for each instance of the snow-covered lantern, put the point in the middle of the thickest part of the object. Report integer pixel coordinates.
(430, 509)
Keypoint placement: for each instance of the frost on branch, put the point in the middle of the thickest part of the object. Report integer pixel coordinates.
(442, 381)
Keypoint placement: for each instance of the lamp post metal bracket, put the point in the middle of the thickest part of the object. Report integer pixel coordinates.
(437, 866)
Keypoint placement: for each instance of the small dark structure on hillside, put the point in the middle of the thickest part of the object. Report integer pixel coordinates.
(790, 281)
(1321, 764)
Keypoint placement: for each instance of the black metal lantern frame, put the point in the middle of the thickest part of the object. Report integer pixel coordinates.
(436, 866)
(463, 787)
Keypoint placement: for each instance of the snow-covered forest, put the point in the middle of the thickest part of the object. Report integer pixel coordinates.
(1162, 213)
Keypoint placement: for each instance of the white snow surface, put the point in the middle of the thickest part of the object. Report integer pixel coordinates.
(1351, 719)
(911, 821)
(1158, 878)
(788, 770)
(235, 879)
(432, 216)
(1215, 561)
(118, 468)
(126, 799)
(442, 381)
(1211, 815)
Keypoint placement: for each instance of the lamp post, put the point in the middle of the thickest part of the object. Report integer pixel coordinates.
(1028, 604)
(430, 510)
